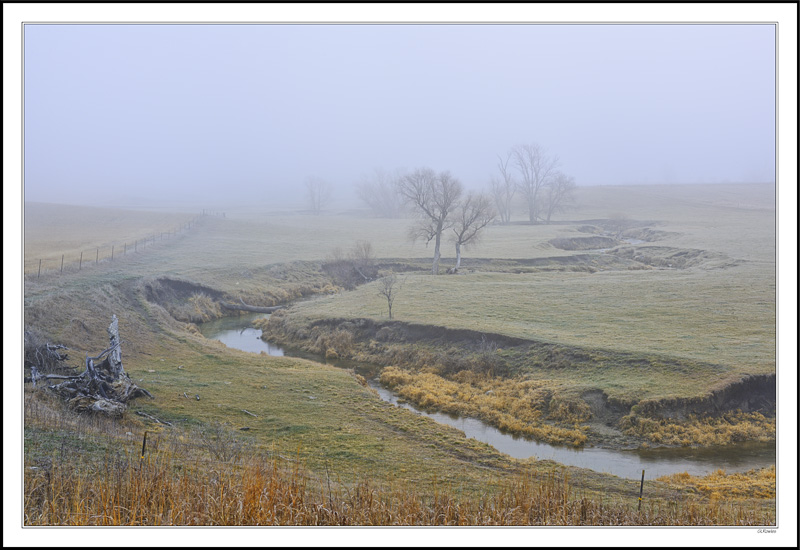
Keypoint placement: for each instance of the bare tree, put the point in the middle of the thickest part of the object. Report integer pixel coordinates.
(558, 193)
(379, 192)
(503, 189)
(433, 197)
(318, 193)
(473, 214)
(536, 168)
(388, 287)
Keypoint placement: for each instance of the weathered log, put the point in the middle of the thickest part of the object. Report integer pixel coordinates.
(254, 309)
(86, 403)
(103, 387)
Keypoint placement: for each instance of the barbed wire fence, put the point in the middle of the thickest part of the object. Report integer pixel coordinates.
(73, 262)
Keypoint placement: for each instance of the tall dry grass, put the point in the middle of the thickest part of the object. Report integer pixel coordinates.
(166, 490)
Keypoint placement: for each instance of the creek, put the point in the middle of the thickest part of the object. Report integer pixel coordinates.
(237, 332)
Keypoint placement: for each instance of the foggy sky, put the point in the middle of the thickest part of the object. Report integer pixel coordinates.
(247, 112)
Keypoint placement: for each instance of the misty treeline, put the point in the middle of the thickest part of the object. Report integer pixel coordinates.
(526, 173)
(531, 172)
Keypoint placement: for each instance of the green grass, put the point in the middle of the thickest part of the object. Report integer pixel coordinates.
(718, 317)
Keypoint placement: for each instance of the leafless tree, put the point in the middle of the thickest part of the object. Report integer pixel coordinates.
(558, 193)
(473, 214)
(318, 193)
(503, 189)
(535, 168)
(433, 197)
(388, 287)
(379, 192)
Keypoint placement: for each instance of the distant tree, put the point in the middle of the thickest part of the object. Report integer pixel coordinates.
(473, 214)
(558, 193)
(536, 168)
(503, 189)
(388, 287)
(379, 192)
(433, 197)
(318, 193)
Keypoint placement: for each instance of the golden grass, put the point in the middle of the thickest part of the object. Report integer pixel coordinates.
(722, 486)
(165, 489)
(724, 430)
(512, 405)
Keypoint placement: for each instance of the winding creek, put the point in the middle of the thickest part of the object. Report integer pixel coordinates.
(237, 332)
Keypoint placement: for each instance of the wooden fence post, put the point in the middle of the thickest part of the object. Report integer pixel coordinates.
(641, 490)
(62, 263)
(97, 256)
(40, 268)
(112, 252)
(80, 262)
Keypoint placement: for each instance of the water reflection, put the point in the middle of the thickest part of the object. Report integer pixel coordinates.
(235, 332)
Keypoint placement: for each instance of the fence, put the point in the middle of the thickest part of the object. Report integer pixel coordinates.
(77, 261)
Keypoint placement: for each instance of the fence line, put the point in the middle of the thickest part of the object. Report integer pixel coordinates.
(127, 247)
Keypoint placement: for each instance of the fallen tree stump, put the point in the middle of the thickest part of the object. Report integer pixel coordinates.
(246, 307)
(102, 388)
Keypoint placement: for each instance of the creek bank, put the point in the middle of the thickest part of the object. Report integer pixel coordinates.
(467, 360)
(237, 332)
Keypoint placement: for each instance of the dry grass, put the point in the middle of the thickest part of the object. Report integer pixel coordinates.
(721, 486)
(724, 430)
(165, 489)
(515, 406)
(52, 230)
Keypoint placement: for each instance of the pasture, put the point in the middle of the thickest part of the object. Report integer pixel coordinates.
(699, 295)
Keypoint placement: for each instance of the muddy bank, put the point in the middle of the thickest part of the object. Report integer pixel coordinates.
(198, 303)
(752, 393)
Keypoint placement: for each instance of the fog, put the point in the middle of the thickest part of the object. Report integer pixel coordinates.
(224, 113)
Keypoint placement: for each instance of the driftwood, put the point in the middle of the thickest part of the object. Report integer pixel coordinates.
(153, 418)
(246, 307)
(102, 388)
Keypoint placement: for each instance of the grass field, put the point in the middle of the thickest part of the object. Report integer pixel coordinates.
(714, 310)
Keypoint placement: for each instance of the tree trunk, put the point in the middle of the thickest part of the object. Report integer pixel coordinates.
(436, 254)
(458, 256)
(115, 356)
